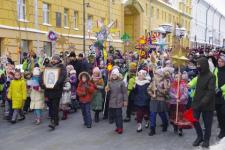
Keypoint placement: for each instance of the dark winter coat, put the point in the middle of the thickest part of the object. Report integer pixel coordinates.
(56, 92)
(204, 98)
(141, 93)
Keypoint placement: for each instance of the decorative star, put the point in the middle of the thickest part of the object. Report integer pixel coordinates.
(179, 54)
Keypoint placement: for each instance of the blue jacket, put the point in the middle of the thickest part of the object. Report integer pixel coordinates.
(141, 95)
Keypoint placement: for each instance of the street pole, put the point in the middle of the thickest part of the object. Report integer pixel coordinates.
(221, 16)
(36, 24)
(84, 27)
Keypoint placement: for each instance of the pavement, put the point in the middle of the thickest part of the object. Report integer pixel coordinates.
(72, 135)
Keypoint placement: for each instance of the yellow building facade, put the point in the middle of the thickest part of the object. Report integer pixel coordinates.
(25, 24)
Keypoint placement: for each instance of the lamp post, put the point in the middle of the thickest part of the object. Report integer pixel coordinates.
(84, 25)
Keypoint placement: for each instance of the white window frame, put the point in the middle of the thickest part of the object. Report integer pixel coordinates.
(46, 13)
(66, 17)
(76, 19)
(21, 9)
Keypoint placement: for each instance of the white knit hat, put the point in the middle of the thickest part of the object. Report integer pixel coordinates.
(116, 72)
(36, 71)
(142, 73)
(73, 72)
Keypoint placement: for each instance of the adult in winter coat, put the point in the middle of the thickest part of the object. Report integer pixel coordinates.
(54, 94)
(204, 102)
(97, 100)
(220, 94)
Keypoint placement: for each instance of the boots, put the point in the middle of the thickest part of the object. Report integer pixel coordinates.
(139, 127)
(152, 131)
(96, 116)
(164, 129)
(52, 125)
(120, 130)
(197, 142)
(221, 134)
(205, 144)
(65, 114)
(127, 119)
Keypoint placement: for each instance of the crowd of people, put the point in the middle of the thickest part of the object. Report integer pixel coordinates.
(145, 85)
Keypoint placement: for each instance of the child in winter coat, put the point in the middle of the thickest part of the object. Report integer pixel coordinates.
(85, 91)
(28, 78)
(142, 99)
(159, 91)
(66, 98)
(182, 97)
(73, 82)
(37, 96)
(17, 94)
(118, 98)
(8, 103)
(97, 100)
(131, 92)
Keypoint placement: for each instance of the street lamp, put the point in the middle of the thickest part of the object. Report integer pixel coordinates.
(84, 25)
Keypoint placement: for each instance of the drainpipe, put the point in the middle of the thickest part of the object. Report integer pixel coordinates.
(213, 27)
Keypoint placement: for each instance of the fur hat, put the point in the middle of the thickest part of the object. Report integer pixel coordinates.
(116, 72)
(84, 74)
(36, 71)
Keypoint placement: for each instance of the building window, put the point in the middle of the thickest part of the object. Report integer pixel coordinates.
(75, 19)
(21, 5)
(152, 12)
(48, 48)
(46, 12)
(66, 17)
(24, 46)
(170, 18)
(157, 13)
(89, 22)
(1, 46)
(58, 19)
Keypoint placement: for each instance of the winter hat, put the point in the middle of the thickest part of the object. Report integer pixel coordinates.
(69, 68)
(159, 72)
(27, 75)
(222, 57)
(96, 70)
(142, 73)
(36, 71)
(84, 74)
(56, 57)
(73, 72)
(116, 72)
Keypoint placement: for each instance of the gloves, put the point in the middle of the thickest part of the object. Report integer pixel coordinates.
(218, 92)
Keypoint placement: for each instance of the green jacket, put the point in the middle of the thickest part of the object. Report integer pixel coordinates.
(192, 85)
(215, 72)
(131, 84)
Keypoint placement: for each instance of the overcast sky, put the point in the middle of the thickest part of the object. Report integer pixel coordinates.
(219, 4)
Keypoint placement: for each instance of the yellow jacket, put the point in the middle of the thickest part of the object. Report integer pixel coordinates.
(17, 93)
